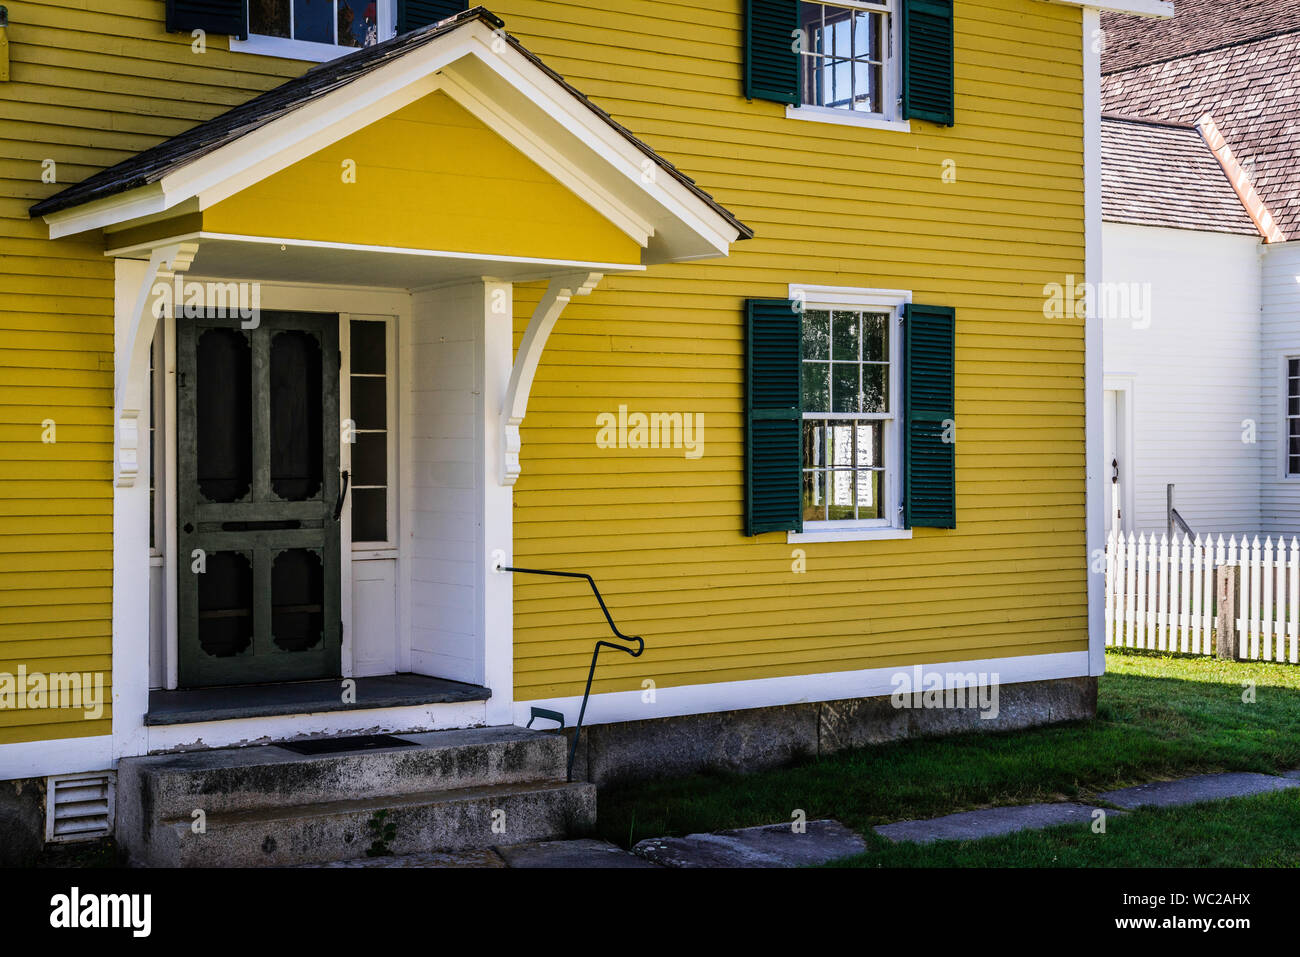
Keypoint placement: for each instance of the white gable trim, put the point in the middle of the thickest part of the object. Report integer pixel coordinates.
(1142, 8)
(599, 164)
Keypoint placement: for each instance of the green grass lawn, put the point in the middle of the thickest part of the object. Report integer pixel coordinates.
(1246, 832)
(1156, 718)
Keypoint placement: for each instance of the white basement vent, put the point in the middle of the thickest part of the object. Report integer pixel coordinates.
(79, 807)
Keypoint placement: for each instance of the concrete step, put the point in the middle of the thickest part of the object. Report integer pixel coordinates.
(437, 821)
(225, 780)
(314, 808)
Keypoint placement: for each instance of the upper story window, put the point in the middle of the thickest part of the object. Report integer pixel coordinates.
(315, 29)
(847, 58)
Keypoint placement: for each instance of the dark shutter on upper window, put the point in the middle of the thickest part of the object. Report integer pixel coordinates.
(229, 17)
(928, 60)
(413, 14)
(773, 416)
(771, 63)
(929, 436)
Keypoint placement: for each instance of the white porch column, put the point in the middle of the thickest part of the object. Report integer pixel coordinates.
(462, 610)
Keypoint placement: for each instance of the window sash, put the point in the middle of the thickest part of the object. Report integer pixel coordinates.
(884, 10)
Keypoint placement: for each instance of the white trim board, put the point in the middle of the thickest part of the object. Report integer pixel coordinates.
(800, 689)
(1094, 351)
(38, 759)
(1160, 9)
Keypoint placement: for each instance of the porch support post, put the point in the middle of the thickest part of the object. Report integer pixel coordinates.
(558, 294)
(135, 331)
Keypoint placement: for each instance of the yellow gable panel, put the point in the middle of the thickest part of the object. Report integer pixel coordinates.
(430, 176)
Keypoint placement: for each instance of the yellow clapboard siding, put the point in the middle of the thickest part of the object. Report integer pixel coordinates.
(663, 534)
(430, 176)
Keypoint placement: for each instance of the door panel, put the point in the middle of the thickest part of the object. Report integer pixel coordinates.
(257, 484)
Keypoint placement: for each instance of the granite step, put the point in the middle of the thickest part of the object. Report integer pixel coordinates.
(456, 820)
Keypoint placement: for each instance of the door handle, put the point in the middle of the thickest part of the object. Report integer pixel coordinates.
(343, 494)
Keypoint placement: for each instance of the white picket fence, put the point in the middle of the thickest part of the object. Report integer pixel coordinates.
(1160, 595)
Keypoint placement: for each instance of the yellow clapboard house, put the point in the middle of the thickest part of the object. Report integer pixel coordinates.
(330, 329)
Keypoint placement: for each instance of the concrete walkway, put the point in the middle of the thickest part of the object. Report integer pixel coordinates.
(994, 822)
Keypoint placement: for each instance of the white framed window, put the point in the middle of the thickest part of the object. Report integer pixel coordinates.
(369, 406)
(1291, 415)
(316, 29)
(849, 56)
(852, 425)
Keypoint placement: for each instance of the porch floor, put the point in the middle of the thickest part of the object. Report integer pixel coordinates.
(304, 697)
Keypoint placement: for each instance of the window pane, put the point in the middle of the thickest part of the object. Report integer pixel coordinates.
(370, 459)
(840, 506)
(814, 444)
(370, 402)
(313, 20)
(869, 504)
(816, 334)
(816, 387)
(841, 444)
(875, 327)
(1294, 367)
(814, 496)
(358, 23)
(839, 26)
(1293, 405)
(875, 388)
(269, 18)
(845, 335)
(845, 387)
(367, 348)
(370, 515)
(868, 445)
(841, 83)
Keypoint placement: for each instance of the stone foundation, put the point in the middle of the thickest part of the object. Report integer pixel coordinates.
(758, 738)
(22, 821)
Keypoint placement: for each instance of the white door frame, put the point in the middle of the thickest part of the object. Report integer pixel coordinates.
(345, 301)
(1125, 387)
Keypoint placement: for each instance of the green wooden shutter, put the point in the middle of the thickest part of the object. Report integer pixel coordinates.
(228, 17)
(413, 14)
(927, 60)
(771, 63)
(929, 480)
(773, 416)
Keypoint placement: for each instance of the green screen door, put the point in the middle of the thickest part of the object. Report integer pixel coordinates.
(258, 496)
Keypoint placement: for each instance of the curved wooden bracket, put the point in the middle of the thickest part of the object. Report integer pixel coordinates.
(131, 392)
(558, 294)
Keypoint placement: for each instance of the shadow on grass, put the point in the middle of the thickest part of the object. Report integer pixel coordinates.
(1157, 718)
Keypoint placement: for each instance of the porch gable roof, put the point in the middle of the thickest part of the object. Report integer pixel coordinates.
(163, 179)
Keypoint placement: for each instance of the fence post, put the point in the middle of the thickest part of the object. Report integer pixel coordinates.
(1225, 591)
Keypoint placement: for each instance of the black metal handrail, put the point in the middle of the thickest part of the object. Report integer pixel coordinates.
(595, 654)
